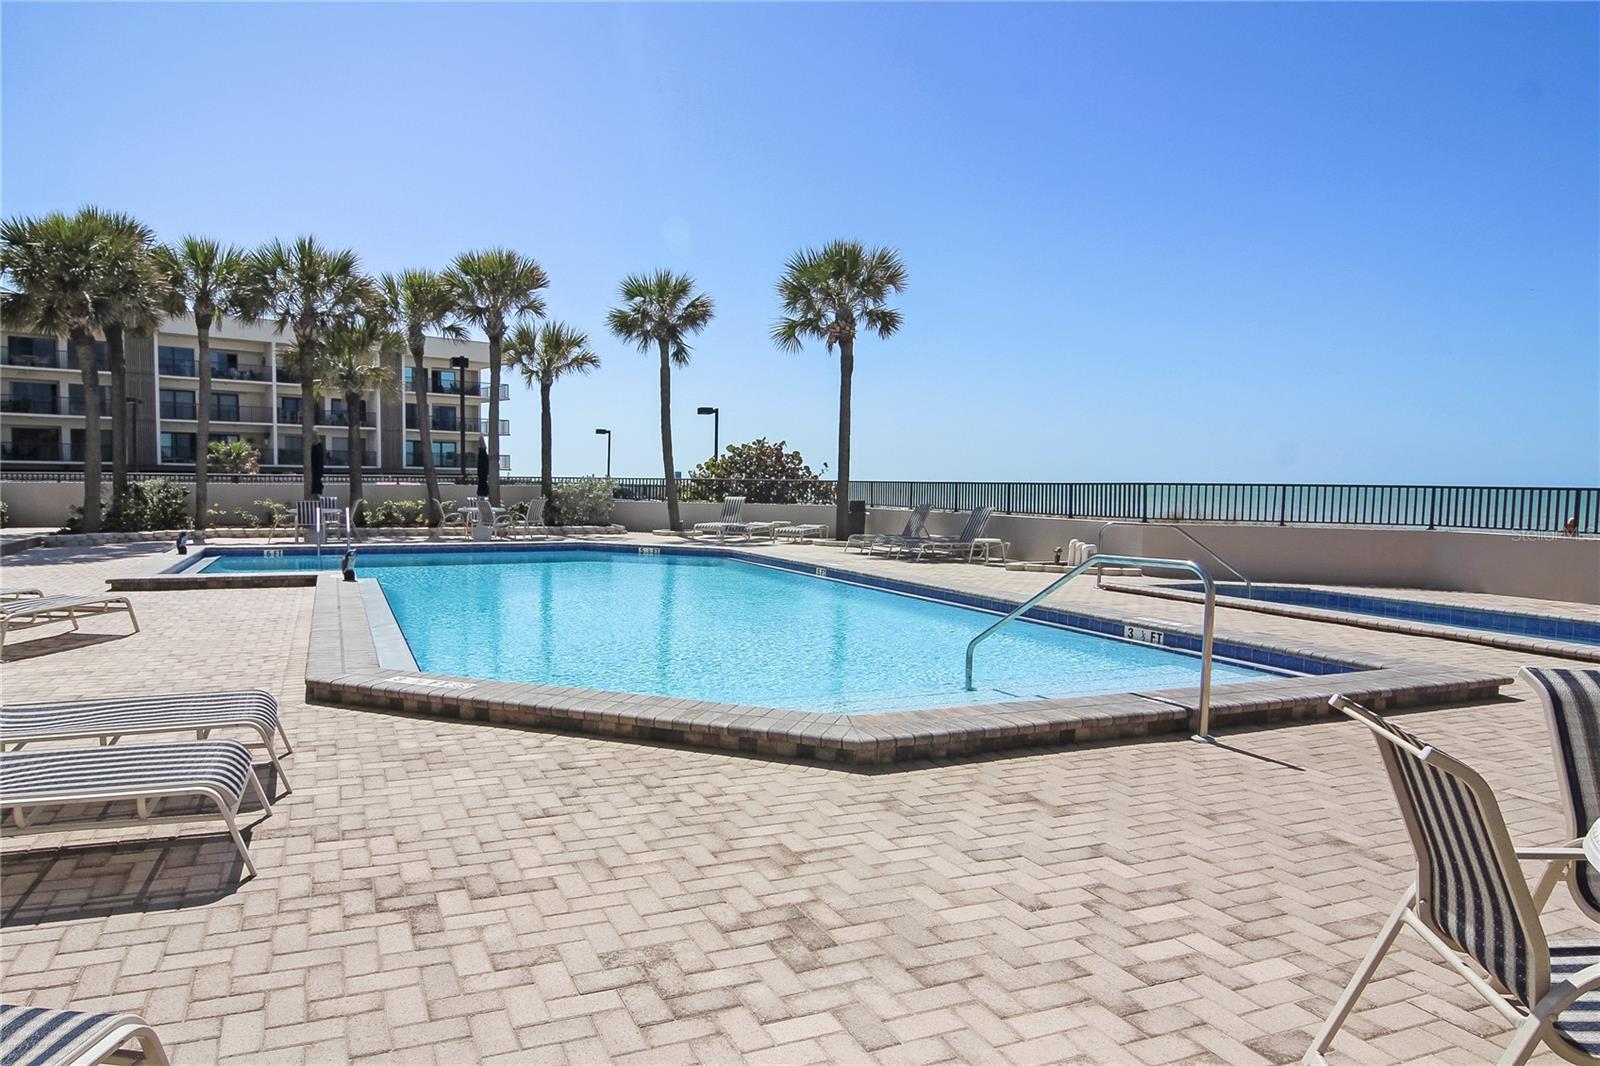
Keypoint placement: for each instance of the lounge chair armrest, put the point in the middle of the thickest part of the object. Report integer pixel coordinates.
(1560, 853)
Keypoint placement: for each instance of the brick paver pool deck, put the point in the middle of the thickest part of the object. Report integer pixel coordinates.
(437, 891)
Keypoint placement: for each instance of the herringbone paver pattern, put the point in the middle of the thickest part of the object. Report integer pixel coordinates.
(438, 892)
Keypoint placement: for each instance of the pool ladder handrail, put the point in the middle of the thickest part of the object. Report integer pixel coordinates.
(1099, 540)
(1207, 625)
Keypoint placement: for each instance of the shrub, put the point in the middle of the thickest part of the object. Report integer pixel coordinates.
(586, 502)
(149, 505)
(238, 457)
(5, 515)
(762, 471)
(273, 512)
(221, 516)
(398, 513)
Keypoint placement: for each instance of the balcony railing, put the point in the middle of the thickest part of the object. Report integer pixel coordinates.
(219, 413)
(442, 421)
(25, 405)
(323, 418)
(479, 389)
(59, 359)
(342, 459)
(31, 452)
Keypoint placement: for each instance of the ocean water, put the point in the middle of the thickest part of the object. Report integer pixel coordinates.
(717, 629)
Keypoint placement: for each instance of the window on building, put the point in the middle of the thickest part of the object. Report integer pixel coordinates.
(177, 447)
(78, 450)
(171, 359)
(22, 350)
(444, 453)
(289, 410)
(225, 405)
(177, 403)
(75, 400)
(35, 444)
(35, 397)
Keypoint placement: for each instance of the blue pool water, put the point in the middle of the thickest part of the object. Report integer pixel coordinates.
(707, 628)
(1541, 627)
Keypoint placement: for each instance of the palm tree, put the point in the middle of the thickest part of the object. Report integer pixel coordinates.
(493, 290)
(545, 355)
(418, 302)
(138, 295)
(204, 274)
(827, 293)
(353, 365)
(307, 289)
(662, 309)
(58, 268)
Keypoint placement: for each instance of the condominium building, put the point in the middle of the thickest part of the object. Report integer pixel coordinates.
(255, 397)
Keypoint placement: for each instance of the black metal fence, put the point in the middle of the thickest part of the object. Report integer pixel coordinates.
(1498, 508)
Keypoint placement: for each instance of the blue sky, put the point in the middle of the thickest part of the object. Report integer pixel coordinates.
(1202, 242)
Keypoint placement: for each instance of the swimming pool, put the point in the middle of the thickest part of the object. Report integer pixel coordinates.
(1512, 623)
(707, 627)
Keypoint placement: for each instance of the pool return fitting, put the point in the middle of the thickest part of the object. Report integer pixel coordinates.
(1202, 727)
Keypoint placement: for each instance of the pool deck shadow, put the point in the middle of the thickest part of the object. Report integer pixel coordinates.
(358, 659)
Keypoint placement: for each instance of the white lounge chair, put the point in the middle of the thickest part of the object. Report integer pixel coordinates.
(1571, 701)
(108, 720)
(916, 527)
(731, 520)
(44, 610)
(42, 1036)
(214, 772)
(795, 534)
(8, 594)
(1471, 904)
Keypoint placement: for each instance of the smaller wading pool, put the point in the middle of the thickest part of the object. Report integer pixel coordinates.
(1511, 623)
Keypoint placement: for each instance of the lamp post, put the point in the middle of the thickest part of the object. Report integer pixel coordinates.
(133, 431)
(461, 363)
(607, 434)
(716, 428)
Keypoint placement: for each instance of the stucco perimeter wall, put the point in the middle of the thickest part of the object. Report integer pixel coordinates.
(1506, 564)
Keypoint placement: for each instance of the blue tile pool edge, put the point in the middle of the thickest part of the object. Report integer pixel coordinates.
(344, 673)
(1384, 623)
(1177, 637)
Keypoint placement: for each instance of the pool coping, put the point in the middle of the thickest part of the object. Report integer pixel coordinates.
(357, 658)
(1488, 638)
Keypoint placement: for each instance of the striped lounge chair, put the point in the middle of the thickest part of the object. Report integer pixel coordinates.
(39, 1036)
(108, 720)
(731, 520)
(1472, 905)
(45, 610)
(916, 527)
(8, 594)
(1571, 701)
(965, 542)
(213, 772)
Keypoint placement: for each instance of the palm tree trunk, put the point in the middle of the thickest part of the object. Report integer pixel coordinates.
(430, 474)
(202, 414)
(841, 492)
(352, 418)
(82, 345)
(117, 366)
(494, 419)
(547, 482)
(670, 484)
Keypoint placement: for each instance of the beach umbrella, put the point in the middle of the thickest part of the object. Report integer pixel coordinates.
(483, 467)
(317, 459)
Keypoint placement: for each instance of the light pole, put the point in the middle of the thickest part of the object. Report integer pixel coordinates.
(133, 431)
(716, 428)
(607, 434)
(460, 363)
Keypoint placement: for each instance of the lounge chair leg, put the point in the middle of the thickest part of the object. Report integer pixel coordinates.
(238, 841)
(132, 617)
(283, 778)
(150, 1050)
(287, 750)
(261, 793)
(1358, 982)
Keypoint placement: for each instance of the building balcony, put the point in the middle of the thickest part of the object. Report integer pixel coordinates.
(324, 418)
(31, 452)
(25, 405)
(444, 420)
(219, 413)
(451, 388)
(182, 367)
(58, 359)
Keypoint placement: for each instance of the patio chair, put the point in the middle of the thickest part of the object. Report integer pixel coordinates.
(212, 772)
(307, 518)
(967, 540)
(916, 527)
(531, 524)
(9, 594)
(1571, 701)
(108, 720)
(1471, 904)
(334, 517)
(731, 520)
(41, 1036)
(44, 610)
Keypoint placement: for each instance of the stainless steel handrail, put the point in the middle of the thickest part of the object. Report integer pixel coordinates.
(1207, 624)
(1190, 537)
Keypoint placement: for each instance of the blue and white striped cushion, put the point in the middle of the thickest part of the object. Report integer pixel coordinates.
(35, 1036)
(24, 608)
(133, 714)
(1579, 1023)
(28, 777)
(1466, 894)
(1574, 697)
